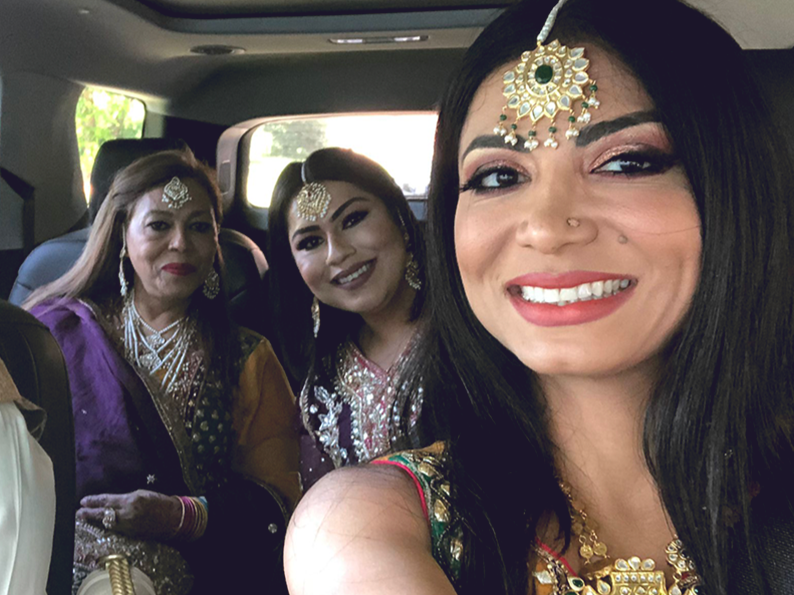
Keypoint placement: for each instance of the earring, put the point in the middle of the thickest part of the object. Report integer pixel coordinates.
(122, 255)
(412, 273)
(212, 285)
(316, 316)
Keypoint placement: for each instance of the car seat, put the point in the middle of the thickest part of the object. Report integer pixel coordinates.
(37, 367)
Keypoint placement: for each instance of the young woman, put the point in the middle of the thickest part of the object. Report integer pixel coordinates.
(346, 260)
(175, 408)
(610, 247)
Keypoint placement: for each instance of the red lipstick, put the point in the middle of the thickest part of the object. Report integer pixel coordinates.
(578, 312)
(180, 269)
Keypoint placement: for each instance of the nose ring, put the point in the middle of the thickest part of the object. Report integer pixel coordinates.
(573, 222)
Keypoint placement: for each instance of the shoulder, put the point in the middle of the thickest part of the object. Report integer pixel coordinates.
(354, 528)
(64, 315)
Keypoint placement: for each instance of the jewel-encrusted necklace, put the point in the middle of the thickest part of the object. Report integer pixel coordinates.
(601, 576)
(153, 350)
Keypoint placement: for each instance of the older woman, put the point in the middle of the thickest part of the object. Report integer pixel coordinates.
(346, 260)
(173, 404)
(610, 224)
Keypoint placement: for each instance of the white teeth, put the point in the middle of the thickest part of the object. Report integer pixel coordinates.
(355, 275)
(551, 296)
(564, 295)
(568, 294)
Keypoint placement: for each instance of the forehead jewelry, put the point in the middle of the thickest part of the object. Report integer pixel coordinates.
(313, 199)
(548, 80)
(176, 194)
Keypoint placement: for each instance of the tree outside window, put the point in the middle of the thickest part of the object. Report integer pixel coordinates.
(101, 116)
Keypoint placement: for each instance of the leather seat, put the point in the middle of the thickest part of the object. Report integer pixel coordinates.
(37, 367)
(245, 262)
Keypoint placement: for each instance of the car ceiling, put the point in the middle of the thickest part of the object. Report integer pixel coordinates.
(143, 46)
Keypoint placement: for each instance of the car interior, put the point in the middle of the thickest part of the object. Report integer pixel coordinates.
(210, 73)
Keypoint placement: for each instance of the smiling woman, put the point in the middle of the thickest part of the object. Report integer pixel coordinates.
(173, 404)
(612, 308)
(346, 263)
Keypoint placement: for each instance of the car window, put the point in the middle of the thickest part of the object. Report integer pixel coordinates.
(402, 143)
(100, 116)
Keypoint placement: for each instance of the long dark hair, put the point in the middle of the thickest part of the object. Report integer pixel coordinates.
(291, 299)
(95, 274)
(718, 418)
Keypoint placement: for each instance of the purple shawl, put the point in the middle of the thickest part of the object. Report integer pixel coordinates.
(121, 443)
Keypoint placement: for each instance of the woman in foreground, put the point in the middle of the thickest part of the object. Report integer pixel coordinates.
(347, 261)
(183, 421)
(614, 308)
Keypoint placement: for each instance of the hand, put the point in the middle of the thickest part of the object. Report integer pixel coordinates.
(141, 514)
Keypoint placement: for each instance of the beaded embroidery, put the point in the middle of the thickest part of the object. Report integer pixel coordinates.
(370, 395)
(446, 531)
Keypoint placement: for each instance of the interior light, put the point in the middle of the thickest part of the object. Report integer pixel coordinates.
(216, 50)
(378, 39)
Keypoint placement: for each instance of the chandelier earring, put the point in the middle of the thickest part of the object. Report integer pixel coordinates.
(124, 286)
(212, 285)
(315, 316)
(412, 274)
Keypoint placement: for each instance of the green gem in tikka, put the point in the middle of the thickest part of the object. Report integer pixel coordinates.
(544, 74)
(503, 117)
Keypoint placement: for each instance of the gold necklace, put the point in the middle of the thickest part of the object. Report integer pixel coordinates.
(601, 576)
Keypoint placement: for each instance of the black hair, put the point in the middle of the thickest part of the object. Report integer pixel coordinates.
(300, 352)
(719, 417)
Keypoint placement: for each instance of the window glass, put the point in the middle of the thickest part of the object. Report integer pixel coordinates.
(402, 143)
(100, 116)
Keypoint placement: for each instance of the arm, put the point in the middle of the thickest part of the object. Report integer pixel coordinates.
(265, 419)
(361, 531)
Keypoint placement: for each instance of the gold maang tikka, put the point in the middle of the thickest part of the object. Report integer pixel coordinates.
(548, 80)
(312, 200)
(176, 194)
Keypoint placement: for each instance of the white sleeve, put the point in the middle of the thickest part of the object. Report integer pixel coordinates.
(27, 507)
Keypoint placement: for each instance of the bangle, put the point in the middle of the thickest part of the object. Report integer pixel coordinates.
(194, 518)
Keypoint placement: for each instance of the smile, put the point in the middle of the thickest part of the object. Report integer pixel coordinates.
(348, 278)
(564, 296)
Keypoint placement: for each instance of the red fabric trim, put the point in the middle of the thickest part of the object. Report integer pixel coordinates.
(559, 557)
(416, 483)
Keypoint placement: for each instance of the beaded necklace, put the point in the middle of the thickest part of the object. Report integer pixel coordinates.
(153, 350)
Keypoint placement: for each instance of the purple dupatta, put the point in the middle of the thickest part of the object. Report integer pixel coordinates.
(121, 441)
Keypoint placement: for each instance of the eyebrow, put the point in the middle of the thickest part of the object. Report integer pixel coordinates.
(593, 132)
(334, 216)
(587, 135)
(170, 213)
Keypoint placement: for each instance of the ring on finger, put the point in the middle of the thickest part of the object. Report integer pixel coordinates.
(109, 518)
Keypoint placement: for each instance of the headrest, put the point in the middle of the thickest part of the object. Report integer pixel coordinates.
(117, 154)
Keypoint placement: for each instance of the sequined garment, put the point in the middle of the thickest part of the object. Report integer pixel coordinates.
(351, 412)
(426, 466)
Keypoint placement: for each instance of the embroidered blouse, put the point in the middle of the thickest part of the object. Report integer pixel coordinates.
(350, 409)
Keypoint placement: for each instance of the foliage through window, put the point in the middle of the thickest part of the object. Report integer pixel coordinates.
(100, 116)
(402, 143)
